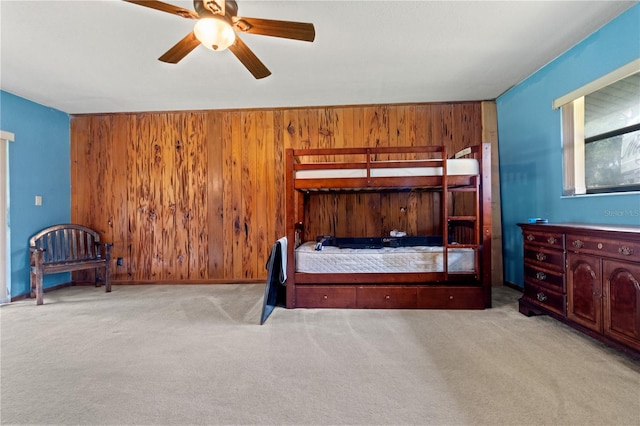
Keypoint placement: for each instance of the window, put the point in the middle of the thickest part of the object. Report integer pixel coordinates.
(5, 237)
(601, 135)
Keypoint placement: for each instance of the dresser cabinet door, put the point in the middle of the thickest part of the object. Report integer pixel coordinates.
(622, 301)
(584, 290)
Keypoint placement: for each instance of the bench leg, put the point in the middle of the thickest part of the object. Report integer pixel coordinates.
(107, 279)
(39, 289)
(100, 278)
(97, 279)
(36, 277)
(107, 268)
(33, 283)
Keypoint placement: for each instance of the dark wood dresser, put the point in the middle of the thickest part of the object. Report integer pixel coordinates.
(587, 276)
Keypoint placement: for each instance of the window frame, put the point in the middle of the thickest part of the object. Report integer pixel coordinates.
(574, 141)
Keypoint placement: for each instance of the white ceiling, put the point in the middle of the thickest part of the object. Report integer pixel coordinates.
(101, 56)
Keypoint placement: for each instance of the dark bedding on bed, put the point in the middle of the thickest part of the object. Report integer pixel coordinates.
(378, 242)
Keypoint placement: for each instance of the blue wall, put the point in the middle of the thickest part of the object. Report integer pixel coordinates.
(39, 163)
(530, 146)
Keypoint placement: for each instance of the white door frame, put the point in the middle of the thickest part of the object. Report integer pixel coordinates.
(5, 235)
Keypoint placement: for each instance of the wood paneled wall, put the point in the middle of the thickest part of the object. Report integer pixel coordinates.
(198, 196)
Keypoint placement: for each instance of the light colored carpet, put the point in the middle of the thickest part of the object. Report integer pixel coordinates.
(196, 355)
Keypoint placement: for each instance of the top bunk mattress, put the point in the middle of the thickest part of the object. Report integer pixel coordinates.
(332, 259)
(455, 167)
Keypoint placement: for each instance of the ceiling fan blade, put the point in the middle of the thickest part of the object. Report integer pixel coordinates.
(181, 49)
(269, 27)
(166, 7)
(249, 59)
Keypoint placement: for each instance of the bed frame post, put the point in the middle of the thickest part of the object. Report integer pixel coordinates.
(485, 183)
(444, 201)
(290, 219)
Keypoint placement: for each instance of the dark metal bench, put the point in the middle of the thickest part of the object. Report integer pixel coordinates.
(67, 248)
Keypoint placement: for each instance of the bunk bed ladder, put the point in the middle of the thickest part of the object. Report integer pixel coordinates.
(456, 219)
(445, 216)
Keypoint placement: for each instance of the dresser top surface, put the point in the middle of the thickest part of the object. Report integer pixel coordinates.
(632, 231)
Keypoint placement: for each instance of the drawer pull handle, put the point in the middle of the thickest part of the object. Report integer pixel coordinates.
(325, 297)
(541, 296)
(578, 244)
(551, 240)
(625, 251)
(541, 276)
(541, 257)
(387, 297)
(530, 237)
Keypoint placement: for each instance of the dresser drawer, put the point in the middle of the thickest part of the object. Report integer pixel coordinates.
(544, 239)
(545, 298)
(605, 247)
(544, 257)
(552, 280)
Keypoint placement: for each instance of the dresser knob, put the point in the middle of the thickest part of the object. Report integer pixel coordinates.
(541, 296)
(551, 240)
(325, 297)
(387, 297)
(541, 257)
(530, 237)
(578, 244)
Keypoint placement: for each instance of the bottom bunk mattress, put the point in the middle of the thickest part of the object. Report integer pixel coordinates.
(334, 260)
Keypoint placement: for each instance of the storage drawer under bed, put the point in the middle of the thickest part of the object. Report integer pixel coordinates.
(319, 296)
(389, 297)
(379, 297)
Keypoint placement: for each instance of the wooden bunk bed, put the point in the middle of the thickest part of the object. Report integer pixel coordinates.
(436, 283)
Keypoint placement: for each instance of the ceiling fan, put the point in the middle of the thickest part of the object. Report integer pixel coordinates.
(217, 28)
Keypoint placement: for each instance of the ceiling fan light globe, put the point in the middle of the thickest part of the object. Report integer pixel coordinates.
(214, 33)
